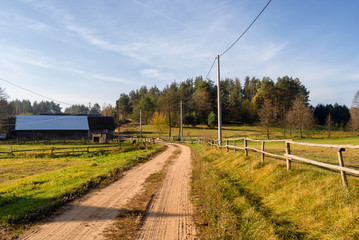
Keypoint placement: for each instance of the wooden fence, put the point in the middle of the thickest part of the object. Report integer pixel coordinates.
(82, 149)
(288, 157)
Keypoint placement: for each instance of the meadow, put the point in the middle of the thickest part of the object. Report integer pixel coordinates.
(33, 184)
(239, 197)
(317, 134)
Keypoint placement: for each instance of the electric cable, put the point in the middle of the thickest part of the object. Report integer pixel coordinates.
(54, 100)
(246, 29)
(234, 43)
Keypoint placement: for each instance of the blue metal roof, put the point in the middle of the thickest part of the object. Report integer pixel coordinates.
(51, 122)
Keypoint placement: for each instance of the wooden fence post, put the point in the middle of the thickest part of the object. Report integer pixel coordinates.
(10, 149)
(88, 150)
(227, 144)
(341, 163)
(234, 144)
(262, 154)
(287, 151)
(245, 147)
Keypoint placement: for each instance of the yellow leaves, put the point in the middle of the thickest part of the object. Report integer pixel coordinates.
(159, 122)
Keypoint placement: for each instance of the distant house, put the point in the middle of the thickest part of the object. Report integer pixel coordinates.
(47, 127)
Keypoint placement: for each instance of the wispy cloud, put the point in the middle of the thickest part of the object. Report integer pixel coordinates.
(272, 51)
(159, 13)
(156, 74)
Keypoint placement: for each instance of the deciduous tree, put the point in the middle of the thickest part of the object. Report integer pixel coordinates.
(159, 122)
(300, 116)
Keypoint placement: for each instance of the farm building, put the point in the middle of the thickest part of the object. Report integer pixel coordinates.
(47, 127)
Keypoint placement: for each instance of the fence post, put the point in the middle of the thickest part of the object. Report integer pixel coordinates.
(287, 151)
(262, 154)
(234, 144)
(341, 163)
(88, 150)
(227, 144)
(10, 149)
(245, 147)
(52, 151)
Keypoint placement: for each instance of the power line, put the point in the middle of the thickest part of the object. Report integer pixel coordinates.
(246, 29)
(54, 100)
(214, 61)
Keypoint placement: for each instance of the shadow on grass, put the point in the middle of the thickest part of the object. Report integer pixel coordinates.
(284, 229)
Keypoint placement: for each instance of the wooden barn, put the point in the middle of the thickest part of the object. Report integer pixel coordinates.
(49, 127)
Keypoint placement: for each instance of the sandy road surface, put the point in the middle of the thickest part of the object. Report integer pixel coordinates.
(170, 213)
(169, 216)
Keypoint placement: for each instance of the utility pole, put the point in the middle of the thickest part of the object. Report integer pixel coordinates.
(219, 103)
(140, 122)
(181, 122)
(118, 118)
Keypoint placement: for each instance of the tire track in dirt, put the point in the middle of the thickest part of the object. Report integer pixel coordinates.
(96, 211)
(170, 213)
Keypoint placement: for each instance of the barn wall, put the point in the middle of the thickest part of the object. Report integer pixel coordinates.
(52, 134)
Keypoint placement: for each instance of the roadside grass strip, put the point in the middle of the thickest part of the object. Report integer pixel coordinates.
(238, 197)
(55, 181)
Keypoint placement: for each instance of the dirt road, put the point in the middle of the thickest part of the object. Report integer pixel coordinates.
(169, 215)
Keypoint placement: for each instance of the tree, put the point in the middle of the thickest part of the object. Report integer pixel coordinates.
(201, 103)
(300, 116)
(287, 91)
(159, 122)
(267, 116)
(169, 103)
(77, 109)
(146, 106)
(95, 109)
(6, 112)
(354, 121)
(355, 102)
(107, 110)
(191, 118)
(329, 124)
(212, 120)
(124, 107)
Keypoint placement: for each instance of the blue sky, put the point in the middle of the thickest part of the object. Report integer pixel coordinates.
(92, 51)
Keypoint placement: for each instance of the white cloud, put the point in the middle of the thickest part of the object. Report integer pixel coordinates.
(158, 12)
(271, 51)
(156, 74)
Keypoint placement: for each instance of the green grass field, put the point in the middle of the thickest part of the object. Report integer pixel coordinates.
(240, 197)
(33, 185)
(256, 132)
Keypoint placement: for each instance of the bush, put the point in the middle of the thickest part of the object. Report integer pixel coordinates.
(212, 120)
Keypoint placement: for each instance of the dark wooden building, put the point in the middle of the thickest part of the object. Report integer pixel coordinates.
(47, 127)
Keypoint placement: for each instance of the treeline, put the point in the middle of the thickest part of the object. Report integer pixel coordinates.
(240, 104)
(282, 103)
(49, 107)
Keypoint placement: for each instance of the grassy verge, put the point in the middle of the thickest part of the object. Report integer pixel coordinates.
(130, 220)
(35, 186)
(240, 197)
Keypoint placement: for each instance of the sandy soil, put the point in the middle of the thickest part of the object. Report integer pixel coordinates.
(169, 215)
